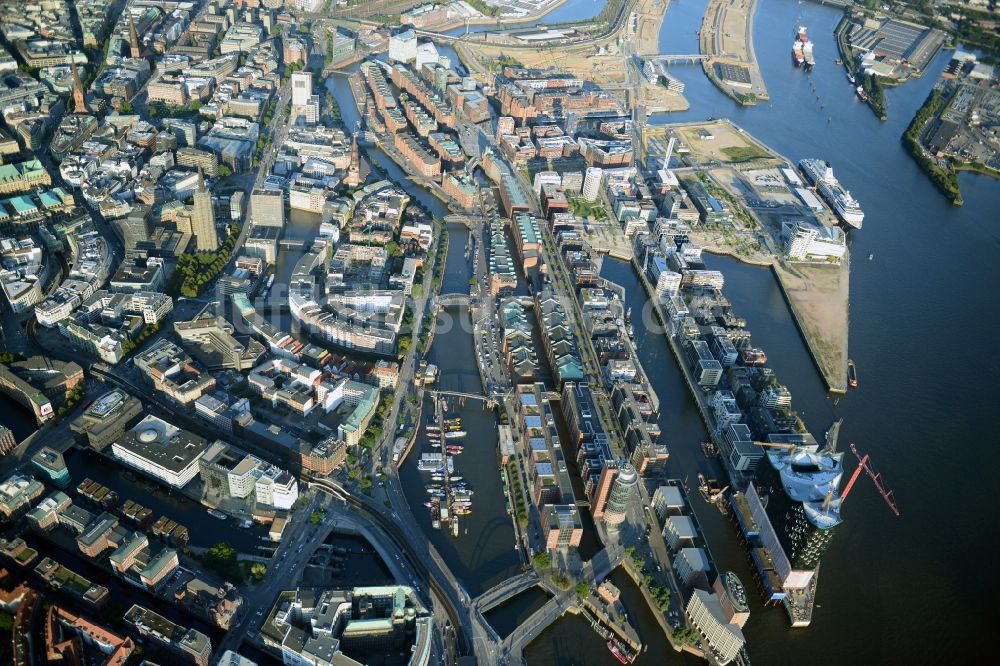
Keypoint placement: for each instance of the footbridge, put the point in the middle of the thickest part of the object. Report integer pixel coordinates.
(488, 400)
(505, 591)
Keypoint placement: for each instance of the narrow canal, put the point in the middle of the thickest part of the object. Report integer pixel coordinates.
(484, 552)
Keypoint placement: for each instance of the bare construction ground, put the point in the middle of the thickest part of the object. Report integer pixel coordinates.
(818, 298)
(600, 60)
(746, 175)
(727, 145)
(727, 35)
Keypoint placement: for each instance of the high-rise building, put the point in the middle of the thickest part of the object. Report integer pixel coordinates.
(304, 103)
(203, 217)
(592, 183)
(301, 88)
(267, 208)
(619, 480)
(562, 526)
(505, 125)
(803, 505)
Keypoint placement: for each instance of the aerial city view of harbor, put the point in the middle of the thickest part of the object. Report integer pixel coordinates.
(412, 332)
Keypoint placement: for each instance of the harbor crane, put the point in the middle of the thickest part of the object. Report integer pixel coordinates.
(864, 464)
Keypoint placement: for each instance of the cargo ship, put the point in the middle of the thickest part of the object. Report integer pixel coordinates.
(820, 175)
(802, 49)
(852, 374)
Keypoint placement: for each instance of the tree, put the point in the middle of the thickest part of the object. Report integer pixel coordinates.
(225, 171)
(126, 107)
(317, 517)
(366, 483)
(542, 559)
(258, 570)
(582, 589)
(222, 559)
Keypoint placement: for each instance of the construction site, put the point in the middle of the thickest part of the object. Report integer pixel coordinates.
(604, 58)
(727, 36)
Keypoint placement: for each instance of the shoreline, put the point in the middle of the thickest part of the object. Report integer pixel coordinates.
(711, 44)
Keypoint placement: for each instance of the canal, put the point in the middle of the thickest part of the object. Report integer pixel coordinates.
(205, 531)
(885, 594)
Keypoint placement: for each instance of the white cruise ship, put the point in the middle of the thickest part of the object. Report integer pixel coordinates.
(820, 174)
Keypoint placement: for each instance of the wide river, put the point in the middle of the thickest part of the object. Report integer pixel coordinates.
(892, 590)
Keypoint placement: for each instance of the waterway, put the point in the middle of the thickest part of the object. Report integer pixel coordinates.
(205, 531)
(892, 590)
(568, 11)
(484, 553)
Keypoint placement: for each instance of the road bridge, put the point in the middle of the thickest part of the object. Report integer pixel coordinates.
(505, 591)
(684, 57)
(450, 300)
(512, 648)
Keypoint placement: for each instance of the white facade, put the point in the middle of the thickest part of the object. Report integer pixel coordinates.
(805, 241)
(301, 87)
(668, 283)
(403, 46)
(277, 488)
(546, 178)
(592, 183)
(724, 639)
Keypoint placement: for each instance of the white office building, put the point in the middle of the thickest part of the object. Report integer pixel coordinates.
(305, 104)
(592, 183)
(276, 487)
(810, 242)
(546, 178)
(162, 450)
(724, 638)
(403, 46)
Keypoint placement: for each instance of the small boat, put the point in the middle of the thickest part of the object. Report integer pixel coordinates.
(456, 478)
(433, 428)
(217, 514)
(455, 434)
(850, 77)
(861, 94)
(463, 512)
(619, 651)
(870, 257)
(433, 489)
(852, 374)
(839, 61)
(429, 505)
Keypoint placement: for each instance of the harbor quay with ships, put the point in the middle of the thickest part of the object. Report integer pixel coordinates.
(781, 487)
(729, 194)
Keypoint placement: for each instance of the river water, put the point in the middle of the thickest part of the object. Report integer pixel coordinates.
(892, 590)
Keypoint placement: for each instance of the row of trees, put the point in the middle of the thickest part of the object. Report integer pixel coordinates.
(195, 271)
(873, 87)
(944, 178)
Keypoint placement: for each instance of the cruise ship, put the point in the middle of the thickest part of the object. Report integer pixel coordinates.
(820, 174)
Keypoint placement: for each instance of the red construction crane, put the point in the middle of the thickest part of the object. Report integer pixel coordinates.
(875, 477)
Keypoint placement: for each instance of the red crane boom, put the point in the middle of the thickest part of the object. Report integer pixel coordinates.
(863, 464)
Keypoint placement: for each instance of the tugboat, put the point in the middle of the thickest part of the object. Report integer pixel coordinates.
(852, 374)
